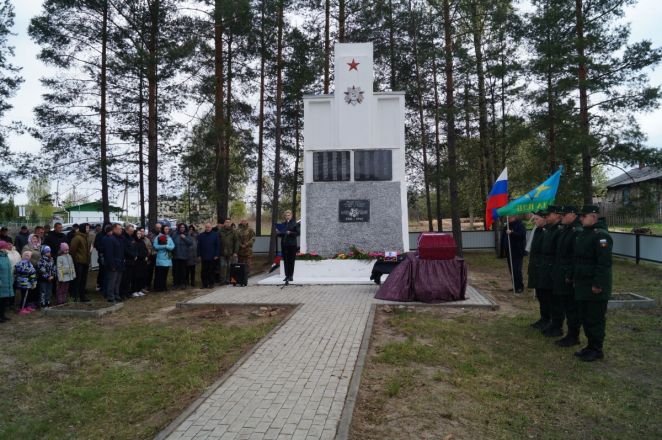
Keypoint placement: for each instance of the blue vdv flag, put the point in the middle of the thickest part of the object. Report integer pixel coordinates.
(539, 197)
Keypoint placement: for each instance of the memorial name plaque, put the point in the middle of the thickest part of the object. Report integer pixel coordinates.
(354, 211)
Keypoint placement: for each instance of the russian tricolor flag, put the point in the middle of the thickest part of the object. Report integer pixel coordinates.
(497, 198)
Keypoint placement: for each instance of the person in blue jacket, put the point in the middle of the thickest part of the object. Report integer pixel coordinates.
(209, 251)
(6, 280)
(164, 246)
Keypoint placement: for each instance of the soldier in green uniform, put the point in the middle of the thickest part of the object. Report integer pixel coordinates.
(546, 270)
(535, 260)
(564, 307)
(592, 280)
(246, 236)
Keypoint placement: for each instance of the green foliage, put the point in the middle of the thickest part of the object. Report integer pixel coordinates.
(10, 81)
(238, 210)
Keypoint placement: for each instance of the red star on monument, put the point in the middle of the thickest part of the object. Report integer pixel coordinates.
(353, 65)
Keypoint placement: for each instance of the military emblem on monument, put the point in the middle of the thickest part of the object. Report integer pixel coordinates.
(354, 95)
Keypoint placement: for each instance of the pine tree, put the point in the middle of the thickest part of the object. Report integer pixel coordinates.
(9, 83)
(612, 86)
(73, 37)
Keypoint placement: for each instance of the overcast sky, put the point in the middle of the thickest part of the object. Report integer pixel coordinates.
(645, 19)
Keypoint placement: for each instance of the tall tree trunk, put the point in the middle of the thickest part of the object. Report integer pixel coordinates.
(587, 180)
(341, 20)
(219, 123)
(141, 142)
(228, 120)
(260, 130)
(278, 131)
(152, 148)
(437, 147)
(450, 127)
(105, 203)
(421, 120)
(504, 147)
(297, 145)
(482, 179)
(551, 129)
(477, 32)
(327, 45)
(391, 44)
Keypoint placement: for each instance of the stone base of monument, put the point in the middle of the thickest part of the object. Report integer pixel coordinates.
(326, 272)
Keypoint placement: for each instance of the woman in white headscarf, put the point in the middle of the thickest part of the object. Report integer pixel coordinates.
(34, 246)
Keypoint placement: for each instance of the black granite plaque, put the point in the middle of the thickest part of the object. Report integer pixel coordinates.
(354, 211)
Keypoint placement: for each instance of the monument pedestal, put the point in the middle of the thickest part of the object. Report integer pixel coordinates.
(326, 272)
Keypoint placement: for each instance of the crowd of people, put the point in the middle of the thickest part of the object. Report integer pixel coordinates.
(570, 258)
(48, 267)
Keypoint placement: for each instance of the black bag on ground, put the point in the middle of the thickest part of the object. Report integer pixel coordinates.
(239, 274)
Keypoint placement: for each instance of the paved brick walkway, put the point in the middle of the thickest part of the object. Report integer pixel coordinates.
(295, 384)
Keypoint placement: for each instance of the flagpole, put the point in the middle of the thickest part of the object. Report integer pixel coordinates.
(510, 255)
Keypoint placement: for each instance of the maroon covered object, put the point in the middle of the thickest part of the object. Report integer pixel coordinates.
(436, 246)
(428, 281)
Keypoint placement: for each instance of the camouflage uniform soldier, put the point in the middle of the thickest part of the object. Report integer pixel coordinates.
(546, 270)
(592, 278)
(535, 261)
(229, 249)
(564, 307)
(246, 237)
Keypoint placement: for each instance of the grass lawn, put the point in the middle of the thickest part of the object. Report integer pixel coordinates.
(124, 376)
(462, 374)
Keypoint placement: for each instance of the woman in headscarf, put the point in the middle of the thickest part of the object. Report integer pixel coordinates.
(34, 246)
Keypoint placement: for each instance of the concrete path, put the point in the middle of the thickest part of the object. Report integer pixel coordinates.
(295, 384)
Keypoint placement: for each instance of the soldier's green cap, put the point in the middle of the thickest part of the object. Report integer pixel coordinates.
(567, 209)
(590, 209)
(554, 209)
(541, 213)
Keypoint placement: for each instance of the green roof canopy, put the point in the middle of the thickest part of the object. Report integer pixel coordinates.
(91, 207)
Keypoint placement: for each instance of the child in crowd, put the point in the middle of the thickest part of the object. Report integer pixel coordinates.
(26, 279)
(47, 273)
(66, 273)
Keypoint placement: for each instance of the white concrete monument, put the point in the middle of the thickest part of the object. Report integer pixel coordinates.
(354, 190)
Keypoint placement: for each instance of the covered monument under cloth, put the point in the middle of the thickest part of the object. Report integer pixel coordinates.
(428, 281)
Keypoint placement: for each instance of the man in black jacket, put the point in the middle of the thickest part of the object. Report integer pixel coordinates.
(21, 238)
(113, 260)
(54, 238)
(289, 233)
(4, 237)
(515, 252)
(130, 254)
